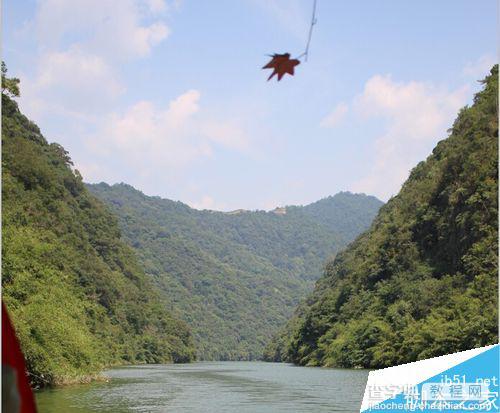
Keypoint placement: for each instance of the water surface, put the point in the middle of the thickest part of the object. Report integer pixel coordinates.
(217, 387)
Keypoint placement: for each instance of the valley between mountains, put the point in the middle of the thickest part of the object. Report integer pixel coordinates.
(96, 275)
(235, 277)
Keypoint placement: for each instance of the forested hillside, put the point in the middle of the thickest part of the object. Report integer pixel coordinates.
(76, 294)
(423, 280)
(235, 277)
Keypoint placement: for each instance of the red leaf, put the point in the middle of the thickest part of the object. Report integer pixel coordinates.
(281, 64)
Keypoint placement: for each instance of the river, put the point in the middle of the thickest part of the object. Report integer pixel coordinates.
(213, 387)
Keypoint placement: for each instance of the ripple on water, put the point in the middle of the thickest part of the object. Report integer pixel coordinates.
(241, 387)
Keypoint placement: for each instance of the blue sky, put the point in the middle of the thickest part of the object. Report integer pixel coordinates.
(168, 95)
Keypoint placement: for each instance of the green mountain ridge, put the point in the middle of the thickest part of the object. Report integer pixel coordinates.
(75, 292)
(235, 277)
(423, 280)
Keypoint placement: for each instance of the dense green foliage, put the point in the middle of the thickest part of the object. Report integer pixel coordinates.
(10, 85)
(74, 290)
(423, 280)
(237, 276)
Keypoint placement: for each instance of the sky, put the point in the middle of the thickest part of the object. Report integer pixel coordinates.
(169, 96)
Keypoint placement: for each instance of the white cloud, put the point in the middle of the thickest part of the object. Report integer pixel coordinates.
(335, 116)
(81, 45)
(145, 133)
(416, 116)
(184, 106)
(479, 68)
(72, 83)
(150, 138)
(109, 28)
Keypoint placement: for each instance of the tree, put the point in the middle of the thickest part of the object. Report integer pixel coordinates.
(10, 86)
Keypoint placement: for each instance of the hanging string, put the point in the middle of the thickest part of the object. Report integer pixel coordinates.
(313, 22)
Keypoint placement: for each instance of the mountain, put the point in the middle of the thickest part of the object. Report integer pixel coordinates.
(423, 280)
(75, 292)
(235, 277)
